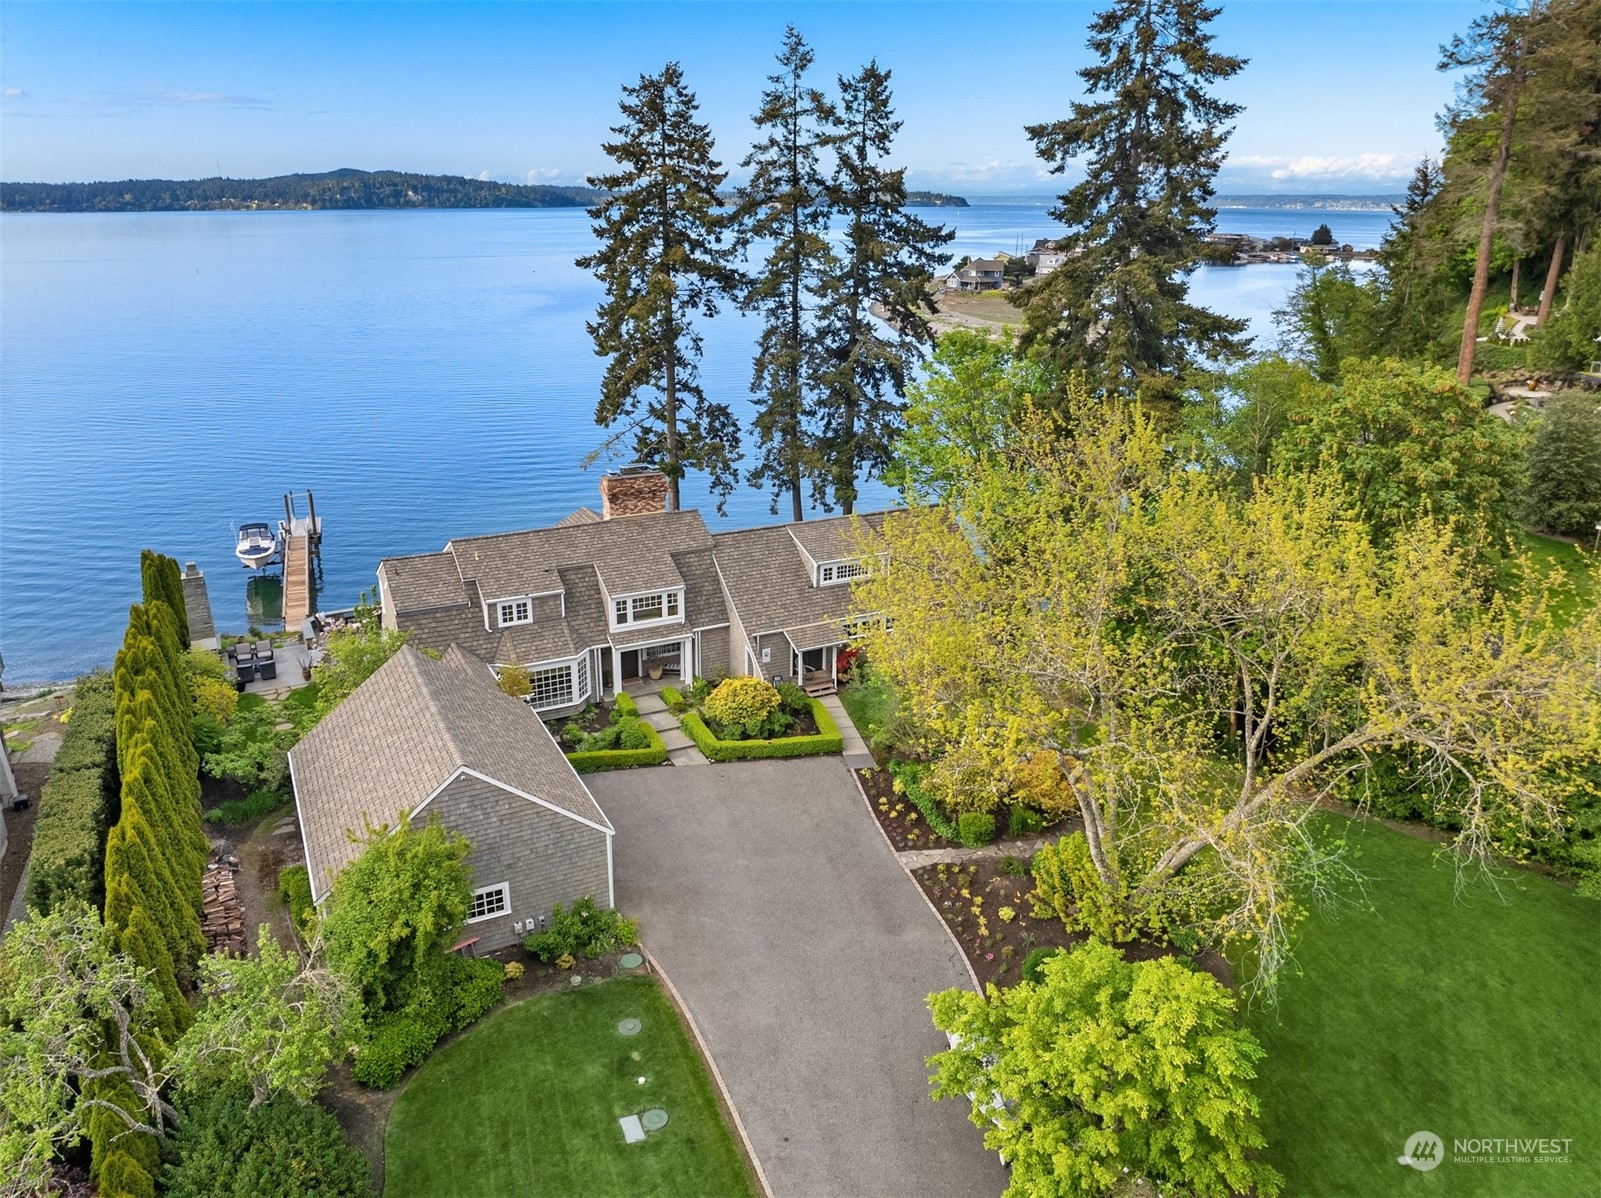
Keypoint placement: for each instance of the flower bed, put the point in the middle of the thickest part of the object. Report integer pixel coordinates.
(902, 822)
(619, 759)
(973, 899)
(989, 911)
(824, 742)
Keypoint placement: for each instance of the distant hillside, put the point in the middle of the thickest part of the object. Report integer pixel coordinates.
(332, 189)
(933, 199)
(1331, 203)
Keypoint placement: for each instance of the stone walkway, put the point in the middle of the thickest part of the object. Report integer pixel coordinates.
(1025, 847)
(857, 755)
(680, 749)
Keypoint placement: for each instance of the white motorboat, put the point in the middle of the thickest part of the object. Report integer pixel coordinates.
(257, 547)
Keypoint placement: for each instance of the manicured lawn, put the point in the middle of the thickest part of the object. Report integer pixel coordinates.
(869, 702)
(1552, 557)
(528, 1103)
(1471, 1015)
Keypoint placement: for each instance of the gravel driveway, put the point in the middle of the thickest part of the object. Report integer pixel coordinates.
(804, 954)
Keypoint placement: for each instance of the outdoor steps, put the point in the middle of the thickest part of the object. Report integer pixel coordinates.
(680, 749)
(819, 688)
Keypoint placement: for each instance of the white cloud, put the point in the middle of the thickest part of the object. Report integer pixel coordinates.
(483, 176)
(1378, 167)
(11, 93)
(983, 172)
(545, 175)
(147, 95)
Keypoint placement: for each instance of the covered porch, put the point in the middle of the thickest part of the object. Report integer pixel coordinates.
(648, 664)
(814, 656)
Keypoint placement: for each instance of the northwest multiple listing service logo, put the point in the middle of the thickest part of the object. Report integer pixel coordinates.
(1424, 1150)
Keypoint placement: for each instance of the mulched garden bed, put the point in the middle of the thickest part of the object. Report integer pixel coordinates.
(995, 944)
(902, 822)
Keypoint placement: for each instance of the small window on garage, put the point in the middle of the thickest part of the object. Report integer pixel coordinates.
(489, 902)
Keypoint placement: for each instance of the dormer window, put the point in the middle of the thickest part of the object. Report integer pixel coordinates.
(650, 608)
(832, 573)
(516, 611)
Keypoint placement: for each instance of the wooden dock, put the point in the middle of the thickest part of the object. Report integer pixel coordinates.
(297, 581)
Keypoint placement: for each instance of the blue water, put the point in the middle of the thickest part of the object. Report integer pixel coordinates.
(165, 376)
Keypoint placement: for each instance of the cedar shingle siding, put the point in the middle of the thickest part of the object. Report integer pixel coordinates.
(543, 856)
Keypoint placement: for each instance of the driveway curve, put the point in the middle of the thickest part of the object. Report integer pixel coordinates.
(804, 954)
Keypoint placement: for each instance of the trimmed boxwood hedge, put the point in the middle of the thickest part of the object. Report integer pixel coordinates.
(618, 759)
(826, 741)
(79, 802)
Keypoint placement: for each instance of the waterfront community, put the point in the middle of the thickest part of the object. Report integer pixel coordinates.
(910, 697)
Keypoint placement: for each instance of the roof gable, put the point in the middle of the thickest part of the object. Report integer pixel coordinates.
(405, 733)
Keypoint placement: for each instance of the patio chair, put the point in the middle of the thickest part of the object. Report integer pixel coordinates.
(246, 671)
(267, 669)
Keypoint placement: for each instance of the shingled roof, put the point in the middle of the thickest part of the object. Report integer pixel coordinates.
(770, 580)
(402, 735)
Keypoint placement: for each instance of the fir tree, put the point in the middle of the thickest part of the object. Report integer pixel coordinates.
(1118, 308)
(786, 203)
(662, 260)
(889, 260)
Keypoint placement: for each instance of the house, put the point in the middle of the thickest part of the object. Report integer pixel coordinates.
(789, 598)
(981, 274)
(600, 600)
(424, 738)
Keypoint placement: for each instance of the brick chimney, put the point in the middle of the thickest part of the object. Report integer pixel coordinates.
(635, 490)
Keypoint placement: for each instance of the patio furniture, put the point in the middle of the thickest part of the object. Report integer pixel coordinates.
(267, 668)
(263, 650)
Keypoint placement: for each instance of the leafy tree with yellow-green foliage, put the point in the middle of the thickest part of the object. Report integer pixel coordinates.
(1104, 1070)
(1204, 664)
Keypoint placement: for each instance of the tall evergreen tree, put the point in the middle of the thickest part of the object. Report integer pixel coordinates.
(1495, 50)
(1118, 307)
(663, 261)
(889, 260)
(786, 204)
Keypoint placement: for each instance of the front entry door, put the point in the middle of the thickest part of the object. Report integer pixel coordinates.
(630, 665)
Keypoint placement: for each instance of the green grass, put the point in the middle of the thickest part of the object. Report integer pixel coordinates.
(869, 702)
(1567, 565)
(528, 1102)
(1476, 1015)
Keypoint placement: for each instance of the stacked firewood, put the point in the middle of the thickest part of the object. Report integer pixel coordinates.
(222, 914)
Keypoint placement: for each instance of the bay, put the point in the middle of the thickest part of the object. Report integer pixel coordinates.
(165, 376)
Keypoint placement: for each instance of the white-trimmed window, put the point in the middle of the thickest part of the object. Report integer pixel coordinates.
(553, 687)
(581, 677)
(832, 573)
(516, 611)
(652, 608)
(488, 902)
(859, 626)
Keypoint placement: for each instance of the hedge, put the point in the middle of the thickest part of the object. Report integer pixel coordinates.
(78, 803)
(826, 741)
(620, 759)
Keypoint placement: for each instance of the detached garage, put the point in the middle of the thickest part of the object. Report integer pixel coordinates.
(424, 738)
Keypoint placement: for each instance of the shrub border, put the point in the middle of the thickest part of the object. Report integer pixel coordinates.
(621, 759)
(825, 742)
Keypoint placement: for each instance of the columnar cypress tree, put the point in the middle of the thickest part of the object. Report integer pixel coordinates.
(663, 261)
(1118, 308)
(786, 203)
(889, 260)
(162, 581)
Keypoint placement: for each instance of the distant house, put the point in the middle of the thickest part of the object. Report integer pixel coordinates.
(1045, 256)
(597, 601)
(981, 274)
(424, 738)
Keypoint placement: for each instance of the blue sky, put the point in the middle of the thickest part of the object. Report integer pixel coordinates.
(1339, 96)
